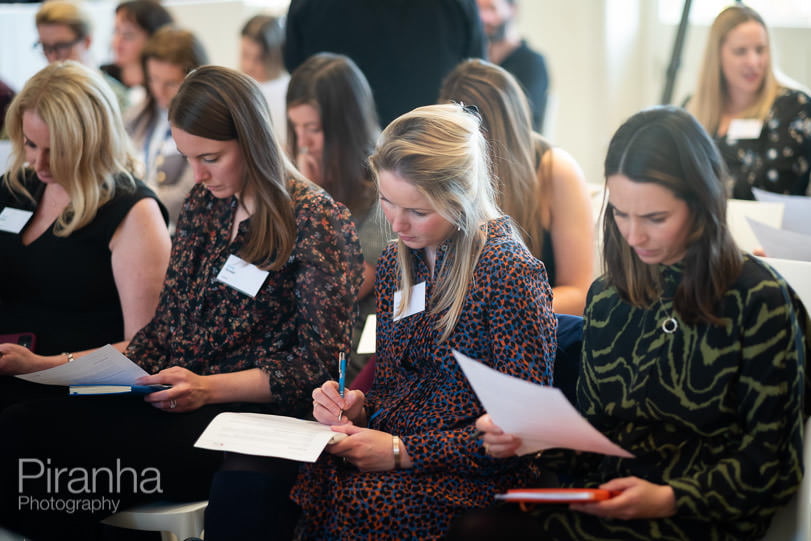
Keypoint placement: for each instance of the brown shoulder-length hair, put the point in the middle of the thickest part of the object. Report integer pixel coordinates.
(174, 46)
(225, 105)
(667, 146)
(338, 90)
(522, 186)
(711, 91)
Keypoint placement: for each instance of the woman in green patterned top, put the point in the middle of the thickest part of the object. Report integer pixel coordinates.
(693, 357)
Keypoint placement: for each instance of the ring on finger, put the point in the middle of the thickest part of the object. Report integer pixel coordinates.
(172, 404)
(487, 448)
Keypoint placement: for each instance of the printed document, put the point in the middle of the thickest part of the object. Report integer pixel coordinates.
(540, 415)
(267, 435)
(106, 366)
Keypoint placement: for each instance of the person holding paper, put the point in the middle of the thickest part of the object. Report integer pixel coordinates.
(458, 277)
(692, 361)
(693, 357)
(257, 304)
(541, 187)
(761, 126)
(84, 243)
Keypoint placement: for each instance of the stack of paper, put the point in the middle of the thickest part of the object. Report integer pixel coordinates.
(792, 239)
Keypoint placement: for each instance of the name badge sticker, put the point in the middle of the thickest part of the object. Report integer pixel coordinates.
(416, 302)
(13, 220)
(242, 276)
(744, 128)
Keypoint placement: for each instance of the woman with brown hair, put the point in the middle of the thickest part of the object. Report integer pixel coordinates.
(332, 128)
(169, 55)
(539, 186)
(693, 358)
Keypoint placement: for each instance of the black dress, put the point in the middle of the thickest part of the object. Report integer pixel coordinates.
(62, 288)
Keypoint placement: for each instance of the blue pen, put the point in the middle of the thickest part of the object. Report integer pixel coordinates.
(341, 378)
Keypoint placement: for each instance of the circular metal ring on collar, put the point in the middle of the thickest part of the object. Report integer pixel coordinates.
(670, 325)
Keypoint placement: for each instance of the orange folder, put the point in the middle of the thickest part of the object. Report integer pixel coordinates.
(556, 495)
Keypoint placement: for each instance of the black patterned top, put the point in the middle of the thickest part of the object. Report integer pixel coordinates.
(713, 411)
(780, 159)
(421, 394)
(295, 326)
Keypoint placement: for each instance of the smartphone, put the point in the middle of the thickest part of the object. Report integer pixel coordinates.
(25, 339)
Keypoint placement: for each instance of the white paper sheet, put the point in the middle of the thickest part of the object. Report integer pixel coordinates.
(737, 213)
(540, 415)
(106, 366)
(796, 209)
(781, 243)
(367, 342)
(266, 435)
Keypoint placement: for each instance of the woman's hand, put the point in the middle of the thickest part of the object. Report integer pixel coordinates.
(368, 450)
(308, 165)
(496, 443)
(328, 405)
(16, 359)
(638, 499)
(189, 391)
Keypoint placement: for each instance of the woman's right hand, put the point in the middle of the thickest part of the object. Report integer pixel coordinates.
(496, 443)
(16, 359)
(307, 164)
(328, 405)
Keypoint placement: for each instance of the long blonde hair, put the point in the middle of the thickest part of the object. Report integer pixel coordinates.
(440, 149)
(522, 187)
(90, 152)
(707, 105)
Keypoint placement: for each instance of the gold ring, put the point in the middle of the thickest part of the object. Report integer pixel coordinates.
(487, 448)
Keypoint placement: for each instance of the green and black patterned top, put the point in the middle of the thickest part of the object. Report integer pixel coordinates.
(714, 411)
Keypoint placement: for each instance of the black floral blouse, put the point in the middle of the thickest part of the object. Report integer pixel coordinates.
(780, 159)
(295, 326)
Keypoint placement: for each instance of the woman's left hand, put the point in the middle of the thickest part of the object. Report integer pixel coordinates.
(189, 391)
(368, 450)
(637, 499)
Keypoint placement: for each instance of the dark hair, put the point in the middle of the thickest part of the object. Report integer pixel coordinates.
(175, 46)
(225, 105)
(667, 146)
(336, 87)
(149, 15)
(268, 32)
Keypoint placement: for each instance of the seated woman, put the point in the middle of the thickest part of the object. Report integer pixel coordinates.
(540, 187)
(260, 56)
(222, 338)
(458, 277)
(85, 265)
(692, 358)
(167, 58)
(762, 127)
(135, 22)
(332, 125)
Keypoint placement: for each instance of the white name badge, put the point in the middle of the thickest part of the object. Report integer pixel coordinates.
(744, 128)
(13, 220)
(242, 276)
(416, 302)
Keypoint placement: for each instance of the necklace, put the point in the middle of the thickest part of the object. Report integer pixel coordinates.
(669, 324)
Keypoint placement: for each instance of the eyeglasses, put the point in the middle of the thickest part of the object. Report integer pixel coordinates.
(58, 49)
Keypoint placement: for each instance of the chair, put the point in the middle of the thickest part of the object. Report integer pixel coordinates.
(567, 358)
(175, 521)
(793, 522)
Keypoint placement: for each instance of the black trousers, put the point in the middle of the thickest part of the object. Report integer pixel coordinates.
(67, 462)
